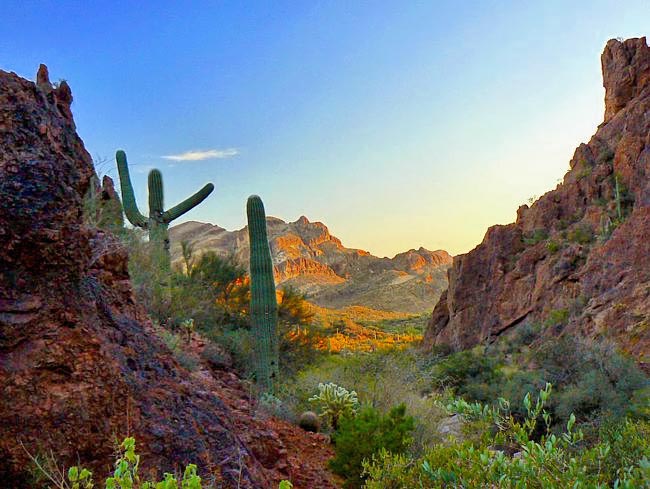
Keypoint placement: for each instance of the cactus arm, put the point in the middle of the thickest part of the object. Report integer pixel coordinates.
(188, 204)
(128, 198)
(264, 306)
(155, 194)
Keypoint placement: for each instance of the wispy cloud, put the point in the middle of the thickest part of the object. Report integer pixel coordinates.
(198, 155)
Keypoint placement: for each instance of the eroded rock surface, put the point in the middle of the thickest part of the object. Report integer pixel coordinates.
(80, 365)
(581, 253)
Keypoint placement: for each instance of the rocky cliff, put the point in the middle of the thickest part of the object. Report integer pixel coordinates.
(577, 260)
(80, 364)
(308, 257)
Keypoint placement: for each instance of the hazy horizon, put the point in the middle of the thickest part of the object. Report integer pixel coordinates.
(397, 126)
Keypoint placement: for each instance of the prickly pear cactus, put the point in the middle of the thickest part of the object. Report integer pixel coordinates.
(264, 306)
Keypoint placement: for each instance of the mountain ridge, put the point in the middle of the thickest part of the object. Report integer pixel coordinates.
(308, 257)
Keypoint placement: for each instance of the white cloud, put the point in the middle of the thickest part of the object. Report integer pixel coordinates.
(198, 155)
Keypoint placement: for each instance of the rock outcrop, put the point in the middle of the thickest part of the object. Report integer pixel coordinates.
(579, 255)
(80, 365)
(306, 256)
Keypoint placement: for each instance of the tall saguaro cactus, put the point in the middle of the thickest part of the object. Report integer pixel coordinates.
(158, 221)
(264, 306)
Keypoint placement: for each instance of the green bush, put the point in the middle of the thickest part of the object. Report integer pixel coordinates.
(537, 236)
(552, 246)
(511, 458)
(382, 379)
(360, 437)
(471, 373)
(581, 234)
(125, 476)
(556, 317)
(594, 380)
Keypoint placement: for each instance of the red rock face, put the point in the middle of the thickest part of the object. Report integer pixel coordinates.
(561, 254)
(79, 363)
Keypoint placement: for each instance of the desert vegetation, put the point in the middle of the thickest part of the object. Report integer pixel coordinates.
(530, 372)
(523, 411)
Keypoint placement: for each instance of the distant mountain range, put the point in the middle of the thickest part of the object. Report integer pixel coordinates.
(307, 257)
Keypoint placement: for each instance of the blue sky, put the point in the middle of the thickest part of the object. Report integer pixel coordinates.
(398, 124)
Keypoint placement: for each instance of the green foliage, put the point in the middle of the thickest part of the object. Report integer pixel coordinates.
(299, 334)
(606, 155)
(239, 344)
(158, 221)
(556, 317)
(102, 210)
(173, 342)
(594, 380)
(552, 246)
(264, 307)
(214, 291)
(382, 379)
(270, 405)
(523, 459)
(537, 236)
(125, 476)
(581, 234)
(471, 373)
(360, 437)
(335, 402)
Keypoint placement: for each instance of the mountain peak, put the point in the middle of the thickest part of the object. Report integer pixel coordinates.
(626, 72)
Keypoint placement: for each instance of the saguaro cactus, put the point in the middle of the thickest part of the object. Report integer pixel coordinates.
(264, 305)
(158, 221)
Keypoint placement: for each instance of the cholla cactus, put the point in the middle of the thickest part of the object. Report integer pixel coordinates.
(187, 327)
(335, 401)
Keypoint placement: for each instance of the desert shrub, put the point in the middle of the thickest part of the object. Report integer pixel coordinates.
(299, 333)
(581, 234)
(382, 379)
(629, 442)
(147, 276)
(270, 405)
(552, 246)
(471, 373)
(174, 342)
(216, 356)
(594, 380)
(537, 236)
(526, 334)
(125, 476)
(554, 461)
(360, 437)
(214, 290)
(238, 343)
(556, 317)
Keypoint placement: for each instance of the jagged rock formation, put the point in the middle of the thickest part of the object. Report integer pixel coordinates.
(80, 364)
(580, 253)
(308, 257)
